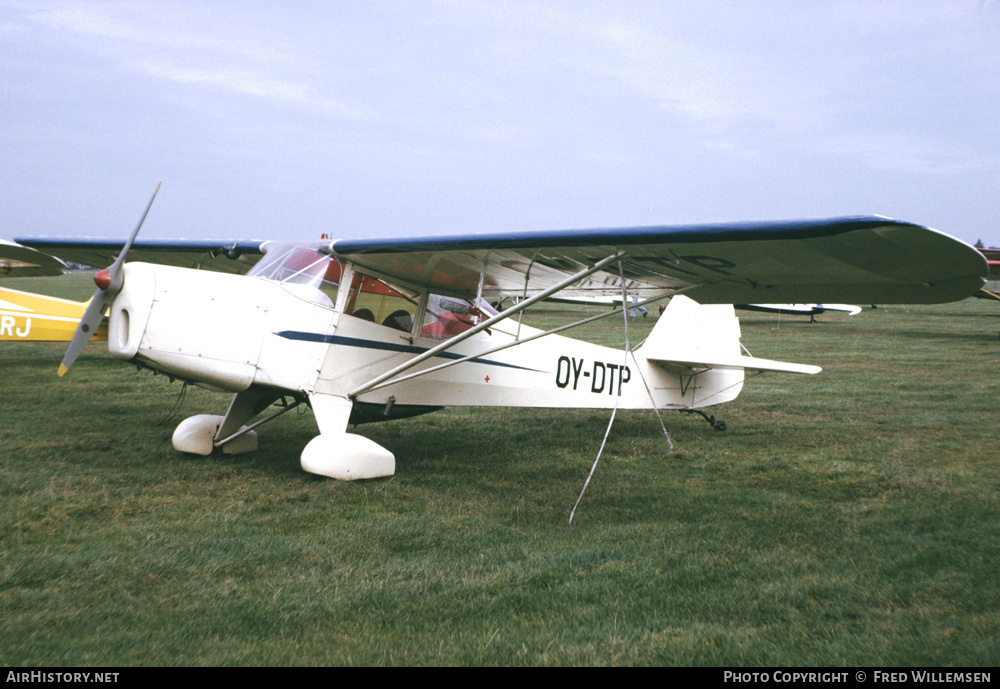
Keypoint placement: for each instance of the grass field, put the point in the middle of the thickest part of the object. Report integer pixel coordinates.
(849, 518)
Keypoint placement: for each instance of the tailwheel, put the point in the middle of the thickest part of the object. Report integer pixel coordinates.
(719, 426)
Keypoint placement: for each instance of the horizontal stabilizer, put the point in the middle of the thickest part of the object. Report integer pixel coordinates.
(690, 338)
(689, 364)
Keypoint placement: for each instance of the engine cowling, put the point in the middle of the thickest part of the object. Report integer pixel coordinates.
(216, 329)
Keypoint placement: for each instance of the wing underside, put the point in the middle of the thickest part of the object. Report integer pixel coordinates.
(867, 259)
(851, 259)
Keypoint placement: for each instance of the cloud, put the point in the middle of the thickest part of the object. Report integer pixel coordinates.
(189, 51)
(241, 80)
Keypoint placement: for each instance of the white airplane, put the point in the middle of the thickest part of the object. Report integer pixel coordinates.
(801, 309)
(370, 330)
(811, 310)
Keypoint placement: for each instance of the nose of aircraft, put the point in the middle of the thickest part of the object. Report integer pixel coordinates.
(109, 284)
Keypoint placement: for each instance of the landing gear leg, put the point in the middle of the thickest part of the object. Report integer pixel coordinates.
(337, 453)
(717, 425)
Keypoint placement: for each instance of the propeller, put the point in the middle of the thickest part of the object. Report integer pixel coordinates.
(109, 283)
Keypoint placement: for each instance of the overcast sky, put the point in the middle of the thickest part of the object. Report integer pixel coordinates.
(414, 117)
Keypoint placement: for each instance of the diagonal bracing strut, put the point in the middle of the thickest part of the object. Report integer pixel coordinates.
(433, 351)
(515, 343)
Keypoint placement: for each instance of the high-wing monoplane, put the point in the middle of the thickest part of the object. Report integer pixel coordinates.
(370, 330)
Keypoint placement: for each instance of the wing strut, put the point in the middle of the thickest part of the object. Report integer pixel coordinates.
(448, 344)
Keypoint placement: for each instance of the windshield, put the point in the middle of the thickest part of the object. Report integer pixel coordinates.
(303, 271)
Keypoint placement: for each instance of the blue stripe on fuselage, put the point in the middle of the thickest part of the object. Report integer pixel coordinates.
(301, 336)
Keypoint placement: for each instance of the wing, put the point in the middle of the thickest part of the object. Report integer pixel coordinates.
(218, 255)
(858, 259)
(868, 259)
(18, 261)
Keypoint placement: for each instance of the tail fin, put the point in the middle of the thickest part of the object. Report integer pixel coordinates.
(700, 344)
(690, 335)
(27, 317)
(688, 332)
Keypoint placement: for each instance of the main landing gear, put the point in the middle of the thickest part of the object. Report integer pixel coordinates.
(334, 452)
(717, 425)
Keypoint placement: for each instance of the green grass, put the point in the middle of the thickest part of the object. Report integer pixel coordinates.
(848, 518)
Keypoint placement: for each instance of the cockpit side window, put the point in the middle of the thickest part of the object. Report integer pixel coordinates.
(448, 316)
(316, 276)
(377, 301)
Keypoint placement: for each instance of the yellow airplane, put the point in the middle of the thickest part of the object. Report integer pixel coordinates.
(27, 317)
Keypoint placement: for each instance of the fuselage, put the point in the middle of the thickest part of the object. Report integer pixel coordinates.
(314, 337)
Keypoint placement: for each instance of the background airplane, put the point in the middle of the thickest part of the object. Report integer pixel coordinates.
(17, 261)
(993, 260)
(28, 317)
(811, 310)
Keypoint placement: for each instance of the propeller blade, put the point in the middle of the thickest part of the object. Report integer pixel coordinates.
(115, 269)
(92, 318)
(109, 284)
